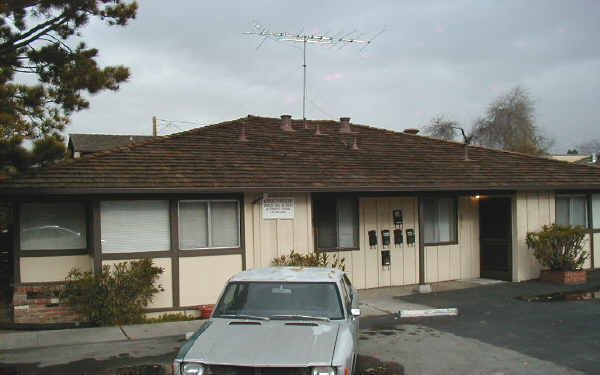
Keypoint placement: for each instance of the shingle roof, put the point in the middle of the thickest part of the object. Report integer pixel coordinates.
(213, 159)
(103, 142)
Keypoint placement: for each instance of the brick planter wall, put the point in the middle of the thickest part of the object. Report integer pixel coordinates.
(40, 304)
(565, 277)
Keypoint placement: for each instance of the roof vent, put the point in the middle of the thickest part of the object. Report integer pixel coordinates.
(243, 137)
(595, 158)
(355, 145)
(286, 123)
(411, 131)
(345, 122)
(318, 131)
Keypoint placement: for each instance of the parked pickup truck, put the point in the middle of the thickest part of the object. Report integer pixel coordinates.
(278, 320)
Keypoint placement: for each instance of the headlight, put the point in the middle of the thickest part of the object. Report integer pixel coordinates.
(323, 371)
(192, 369)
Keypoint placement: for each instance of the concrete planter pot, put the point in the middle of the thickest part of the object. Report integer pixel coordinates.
(565, 277)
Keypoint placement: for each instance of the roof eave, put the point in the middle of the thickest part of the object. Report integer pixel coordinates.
(312, 189)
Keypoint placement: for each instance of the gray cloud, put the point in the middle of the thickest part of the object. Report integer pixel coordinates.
(190, 61)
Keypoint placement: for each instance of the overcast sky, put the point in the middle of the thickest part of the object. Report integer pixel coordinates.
(190, 62)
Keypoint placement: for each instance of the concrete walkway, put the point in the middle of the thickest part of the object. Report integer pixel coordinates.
(385, 301)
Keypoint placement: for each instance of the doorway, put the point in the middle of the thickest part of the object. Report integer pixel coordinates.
(495, 236)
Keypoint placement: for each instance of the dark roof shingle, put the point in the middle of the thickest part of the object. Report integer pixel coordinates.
(212, 158)
(102, 142)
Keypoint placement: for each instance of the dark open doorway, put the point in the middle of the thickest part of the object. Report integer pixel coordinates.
(495, 234)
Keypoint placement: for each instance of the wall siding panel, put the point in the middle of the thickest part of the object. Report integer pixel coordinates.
(458, 261)
(532, 211)
(267, 239)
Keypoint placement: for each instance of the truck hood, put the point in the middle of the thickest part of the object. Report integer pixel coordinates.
(275, 343)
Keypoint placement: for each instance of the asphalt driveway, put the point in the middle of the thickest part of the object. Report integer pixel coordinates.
(496, 332)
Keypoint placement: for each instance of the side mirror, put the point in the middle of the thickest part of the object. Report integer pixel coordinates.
(355, 312)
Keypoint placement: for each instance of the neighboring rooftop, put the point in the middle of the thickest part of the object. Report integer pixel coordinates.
(262, 154)
(570, 158)
(87, 143)
(290, 274)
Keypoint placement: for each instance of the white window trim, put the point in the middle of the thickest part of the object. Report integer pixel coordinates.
(209, 234)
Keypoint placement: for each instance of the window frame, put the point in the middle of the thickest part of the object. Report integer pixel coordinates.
(209, 224)
(356, 221)
(53, 252)
(588, 212)
(455, 226)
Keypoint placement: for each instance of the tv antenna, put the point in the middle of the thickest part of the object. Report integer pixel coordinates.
(305, 38)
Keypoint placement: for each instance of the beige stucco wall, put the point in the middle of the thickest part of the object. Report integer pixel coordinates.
(531, 211)
(48, 269)
(460, 261)
(270, 238)
(201, 279)
(164, 298)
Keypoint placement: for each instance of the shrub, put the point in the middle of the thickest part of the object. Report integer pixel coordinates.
(117, 295)
(558, 247)
(320, 259)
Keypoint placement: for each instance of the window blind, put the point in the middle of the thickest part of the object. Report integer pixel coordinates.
(193, 224)
(135, 226)
(224, 224)
(439, 216)
(571, 211)
(346, 210)
(596, 210)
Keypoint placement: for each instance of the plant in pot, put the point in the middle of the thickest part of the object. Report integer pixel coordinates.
(559, 249)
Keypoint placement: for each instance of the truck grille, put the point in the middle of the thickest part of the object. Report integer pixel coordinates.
(240, 370)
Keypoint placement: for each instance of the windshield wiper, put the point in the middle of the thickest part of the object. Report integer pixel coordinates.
(242, 316)
(306, 317)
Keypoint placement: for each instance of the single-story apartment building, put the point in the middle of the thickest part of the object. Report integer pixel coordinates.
(207, 203)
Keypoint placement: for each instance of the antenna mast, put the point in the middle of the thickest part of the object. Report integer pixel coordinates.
(304, 39)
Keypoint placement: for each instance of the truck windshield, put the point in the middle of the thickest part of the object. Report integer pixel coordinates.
(273, 299)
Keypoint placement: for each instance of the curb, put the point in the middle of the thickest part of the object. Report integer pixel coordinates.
(39, 339)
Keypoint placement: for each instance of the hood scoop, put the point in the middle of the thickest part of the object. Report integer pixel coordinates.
(245, 323)
(304, 324)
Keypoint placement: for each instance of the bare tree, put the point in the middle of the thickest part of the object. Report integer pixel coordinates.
(442, 128)
(509, 124)
(589, 147)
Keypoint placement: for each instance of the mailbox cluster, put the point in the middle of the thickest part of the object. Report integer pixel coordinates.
(399, 235)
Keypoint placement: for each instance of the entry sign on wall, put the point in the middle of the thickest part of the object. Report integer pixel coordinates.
(278, 208)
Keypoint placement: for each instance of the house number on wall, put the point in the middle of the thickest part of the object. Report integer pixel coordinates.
(278, 208)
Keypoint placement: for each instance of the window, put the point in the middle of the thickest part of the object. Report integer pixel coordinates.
(270, 299)
(571, 210)
(337, 222)
(439, 216)
(135, 226)
(596, 210)
(53, 226)
(209, 224)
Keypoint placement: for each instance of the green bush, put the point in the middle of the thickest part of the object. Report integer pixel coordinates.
(320, 259)
(559, 247)
(117, 295)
